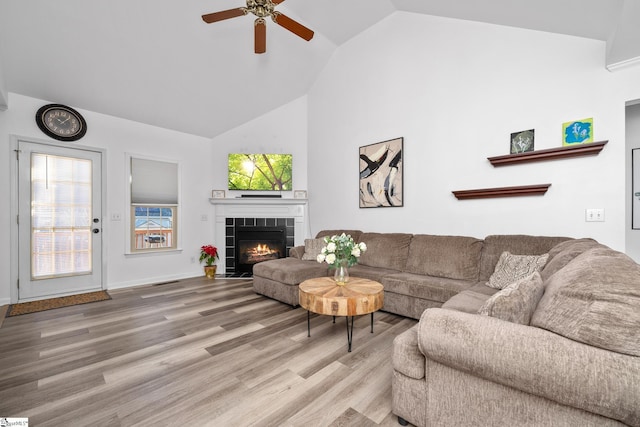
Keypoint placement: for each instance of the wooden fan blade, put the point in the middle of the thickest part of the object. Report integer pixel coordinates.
(276, 1)
(260, 35)
(293, 26)
(222, 15)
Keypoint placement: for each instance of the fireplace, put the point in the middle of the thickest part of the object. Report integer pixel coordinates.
(258, 244)
(253, 240)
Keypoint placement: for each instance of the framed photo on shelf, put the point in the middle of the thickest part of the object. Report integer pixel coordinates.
(217, 194)
(522, 141)
(300, 194)
(381, 174)
(577, 132)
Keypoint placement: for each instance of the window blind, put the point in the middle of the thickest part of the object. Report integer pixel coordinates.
(154, 182)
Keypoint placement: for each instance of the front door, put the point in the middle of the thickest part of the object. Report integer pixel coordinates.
(59, 220)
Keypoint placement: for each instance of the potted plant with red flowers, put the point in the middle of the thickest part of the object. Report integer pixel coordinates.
(209, 254)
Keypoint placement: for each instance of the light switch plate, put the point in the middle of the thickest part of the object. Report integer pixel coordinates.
(594, 215)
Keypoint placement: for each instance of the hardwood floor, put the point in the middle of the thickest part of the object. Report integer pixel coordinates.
(195, 353)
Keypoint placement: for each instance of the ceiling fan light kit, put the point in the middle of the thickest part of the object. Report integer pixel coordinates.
(261, 9)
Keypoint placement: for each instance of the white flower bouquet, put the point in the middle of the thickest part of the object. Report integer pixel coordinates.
(341, 250)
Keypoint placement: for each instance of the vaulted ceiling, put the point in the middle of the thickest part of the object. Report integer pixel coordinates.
(157, 62)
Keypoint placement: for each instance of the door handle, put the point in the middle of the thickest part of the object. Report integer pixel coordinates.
(96, 230)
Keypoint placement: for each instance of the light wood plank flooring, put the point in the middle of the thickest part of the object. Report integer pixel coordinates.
(195, 353)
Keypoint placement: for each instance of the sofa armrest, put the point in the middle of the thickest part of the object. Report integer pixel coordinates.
(296, 252)
(535, 361)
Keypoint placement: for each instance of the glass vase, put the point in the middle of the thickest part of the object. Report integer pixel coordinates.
(341, 275)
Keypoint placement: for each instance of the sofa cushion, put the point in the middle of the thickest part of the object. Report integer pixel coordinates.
(385, 250)
(355, 234)
(291, 271)
(519, 244)
(296, 252)
(437, 289)
(562, 253)
(517, 302)
(371, 273)
(511, 268)
(312, 248)
(470, 300)
(454, 257)
(594, 299)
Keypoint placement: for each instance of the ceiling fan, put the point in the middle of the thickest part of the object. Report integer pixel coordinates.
(261, 9)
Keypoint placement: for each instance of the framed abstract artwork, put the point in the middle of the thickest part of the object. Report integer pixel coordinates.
(381, 174)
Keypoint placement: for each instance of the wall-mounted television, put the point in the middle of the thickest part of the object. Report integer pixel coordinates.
(264, 172)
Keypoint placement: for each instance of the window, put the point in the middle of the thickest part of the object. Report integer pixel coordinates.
(154, 205)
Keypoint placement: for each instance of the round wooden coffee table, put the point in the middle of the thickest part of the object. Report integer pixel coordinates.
(359, 296)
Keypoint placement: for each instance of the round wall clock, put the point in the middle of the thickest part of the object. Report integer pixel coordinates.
(61, 122)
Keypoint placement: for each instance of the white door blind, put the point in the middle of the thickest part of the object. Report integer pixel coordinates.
(61, 216)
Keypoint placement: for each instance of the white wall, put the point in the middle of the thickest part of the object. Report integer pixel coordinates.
(281, 131)
(118, 136)
(455, 90)
(4, 98)
(633, 141)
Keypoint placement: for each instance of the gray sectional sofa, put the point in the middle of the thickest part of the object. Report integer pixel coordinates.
(560, 346)
(417, 271)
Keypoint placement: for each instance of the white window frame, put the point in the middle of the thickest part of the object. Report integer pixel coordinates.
(130, 217)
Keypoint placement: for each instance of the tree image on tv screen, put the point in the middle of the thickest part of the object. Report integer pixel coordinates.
(270, 172)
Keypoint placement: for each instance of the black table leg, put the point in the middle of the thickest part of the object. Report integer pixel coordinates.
(349, 332)
(308, 323)
(372, 322)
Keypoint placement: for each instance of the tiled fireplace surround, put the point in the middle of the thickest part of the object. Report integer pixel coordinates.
(230, 236)
(257, 212)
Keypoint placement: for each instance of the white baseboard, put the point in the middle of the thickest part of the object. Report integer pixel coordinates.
(5, 301)
(150, 281)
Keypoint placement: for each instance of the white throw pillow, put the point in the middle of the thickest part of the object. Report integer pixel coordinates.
(517, 302)
(511, 268)
(312, 248)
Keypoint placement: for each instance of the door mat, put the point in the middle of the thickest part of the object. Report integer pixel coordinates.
(48, 304)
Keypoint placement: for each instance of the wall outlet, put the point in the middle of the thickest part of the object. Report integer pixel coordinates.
(193, 260)
(116, 216)
(204, 217)
(594, 215)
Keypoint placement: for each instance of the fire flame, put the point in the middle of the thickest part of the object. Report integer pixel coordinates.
(261, 249)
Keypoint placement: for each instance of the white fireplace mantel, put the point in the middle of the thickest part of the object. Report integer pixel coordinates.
(254, 207)
(258, 201)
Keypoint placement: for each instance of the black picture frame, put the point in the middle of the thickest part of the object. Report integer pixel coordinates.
(635, 189)
(522, 142)
(381, 174)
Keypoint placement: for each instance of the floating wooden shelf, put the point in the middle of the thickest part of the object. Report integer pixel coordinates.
(486, 193)
(587, 149)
